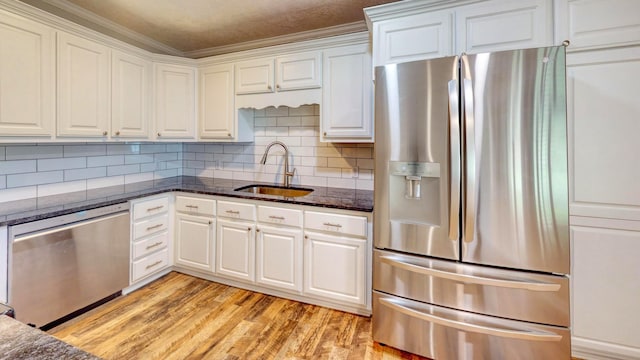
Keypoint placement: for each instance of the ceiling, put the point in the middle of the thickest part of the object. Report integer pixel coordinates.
(198, 28)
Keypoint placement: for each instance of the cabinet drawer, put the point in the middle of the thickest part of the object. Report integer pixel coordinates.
(151, 244)
(150, 207)
(336, 223)
(151, 226)
(280, 216)
(236, 210)
(149, 265)
(192, 205)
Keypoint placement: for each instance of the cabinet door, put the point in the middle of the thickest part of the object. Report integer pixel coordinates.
(347, 95)
(504, 25)
(334, 267)
(235, 249)
(254, 76)
(417, 37)
(83, 87)
(27, 78)
(130, 96)
(279, 257)
(175, 101)
(298, 71)
(195, 242)
(603, 128)
(216, 118)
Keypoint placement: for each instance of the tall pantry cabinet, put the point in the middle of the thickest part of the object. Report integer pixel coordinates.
(603, 115)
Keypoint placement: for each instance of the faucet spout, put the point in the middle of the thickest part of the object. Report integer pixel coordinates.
(287, 173)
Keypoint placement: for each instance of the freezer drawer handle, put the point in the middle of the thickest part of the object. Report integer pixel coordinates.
(513, 334)
(470, 279)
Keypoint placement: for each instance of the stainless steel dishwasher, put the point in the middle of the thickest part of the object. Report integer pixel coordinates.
(61, 266)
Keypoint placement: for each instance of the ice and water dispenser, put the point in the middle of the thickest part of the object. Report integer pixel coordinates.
(414, 191)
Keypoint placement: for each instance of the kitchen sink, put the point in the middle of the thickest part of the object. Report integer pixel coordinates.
(275, 190)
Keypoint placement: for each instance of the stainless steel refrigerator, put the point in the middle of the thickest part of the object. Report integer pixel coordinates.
(471, 257)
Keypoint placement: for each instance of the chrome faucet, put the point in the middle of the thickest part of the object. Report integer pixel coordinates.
(287, 174)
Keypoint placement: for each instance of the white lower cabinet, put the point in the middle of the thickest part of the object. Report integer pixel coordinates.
(335, 267)
(279, 257)
(195, 242)
(150, 236)
(236, 249)
(195, 233)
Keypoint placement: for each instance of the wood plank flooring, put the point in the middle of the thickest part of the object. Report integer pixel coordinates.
(183, 317)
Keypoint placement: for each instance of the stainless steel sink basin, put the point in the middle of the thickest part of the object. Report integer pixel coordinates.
(275, 190)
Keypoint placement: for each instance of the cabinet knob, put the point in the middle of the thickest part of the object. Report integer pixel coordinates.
(278, 86)
(306, 236)
(229, 134)
(159, 134)
(249, 228)
(324, 133)
(104, 133)
(117, 133)
(257, 230)
(269, 87)
(210, 222)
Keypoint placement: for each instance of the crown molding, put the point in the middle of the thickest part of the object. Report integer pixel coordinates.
(407, 8)
(353, 27)
(118, 30)
(298, 46)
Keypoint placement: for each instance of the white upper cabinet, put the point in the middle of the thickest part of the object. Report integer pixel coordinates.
(255, 76)
(27, 77)
(175, 101)
(298, 71)
(598, 23)
(83, 87)
(216, 111)
(130, 79)
(504, 25)
(415, 37)
(289, 72)
(346, 113)
(410, 30)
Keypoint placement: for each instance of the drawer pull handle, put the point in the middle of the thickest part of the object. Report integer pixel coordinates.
(154, 245)
(235, 212)
(330, 224)
(276, 217)
(154, 227)
(152, 265)
(249, 229)
(192, 206)
(155, 208)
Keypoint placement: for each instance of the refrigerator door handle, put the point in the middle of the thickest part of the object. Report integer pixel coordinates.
(471, 279)
(470, 159)
(471, 327)
(454, 143)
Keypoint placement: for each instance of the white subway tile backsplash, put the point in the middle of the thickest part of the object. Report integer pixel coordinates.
(163, 174)
(288, 121)
(88, 173)
(17, 167)
(310, 120)
(85, 150)
(279, 111)
(3, 181)
(110, 160)
(328, 172)
(364, 184)
(61, 188)
(168, 156)
(62, 163)
(38, 178)
(138, 159)
(105, 182)
(174, 147)
(123, 169)
(152, 167)
(152, 148)
(342, 183)
(195, 164)
(138, 177)
(29, 152)
(193, 147)
(365, 164)
(302, 110)
(2, 152)
(123, 149)
(265, 121)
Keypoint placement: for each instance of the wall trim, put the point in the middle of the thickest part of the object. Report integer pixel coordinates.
(597, 350)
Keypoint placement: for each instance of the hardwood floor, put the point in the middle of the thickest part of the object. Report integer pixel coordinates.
(183, 317)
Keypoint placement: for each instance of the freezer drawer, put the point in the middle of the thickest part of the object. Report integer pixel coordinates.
(506, 293)
(441, 333)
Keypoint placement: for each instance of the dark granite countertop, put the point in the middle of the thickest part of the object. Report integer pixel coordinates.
(20, 341)
(21, 211)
